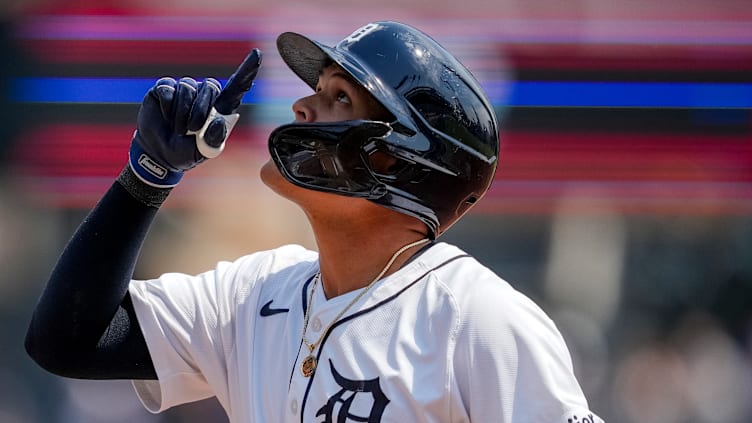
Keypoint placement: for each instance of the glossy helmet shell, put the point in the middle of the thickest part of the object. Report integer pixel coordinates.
(442, 143)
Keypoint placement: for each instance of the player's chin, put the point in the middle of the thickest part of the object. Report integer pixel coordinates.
(272, 178)
(269, 174)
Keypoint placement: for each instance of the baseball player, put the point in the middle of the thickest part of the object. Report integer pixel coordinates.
(383, 323)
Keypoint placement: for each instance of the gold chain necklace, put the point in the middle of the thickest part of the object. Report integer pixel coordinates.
(309, 363)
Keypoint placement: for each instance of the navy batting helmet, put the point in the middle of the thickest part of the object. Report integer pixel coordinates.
(442, 143)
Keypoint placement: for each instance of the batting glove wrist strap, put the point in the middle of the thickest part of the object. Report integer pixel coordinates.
(149, 171)
(147, 194)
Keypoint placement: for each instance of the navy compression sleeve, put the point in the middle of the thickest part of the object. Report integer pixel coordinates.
(84, 325)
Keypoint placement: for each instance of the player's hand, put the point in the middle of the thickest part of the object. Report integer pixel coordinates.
(183, 122)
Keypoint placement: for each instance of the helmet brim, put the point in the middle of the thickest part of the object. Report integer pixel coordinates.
(305, 57)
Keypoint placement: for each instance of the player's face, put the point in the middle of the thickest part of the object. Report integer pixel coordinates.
(337, 98)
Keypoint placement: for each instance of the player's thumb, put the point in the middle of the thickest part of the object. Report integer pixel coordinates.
(216, 132)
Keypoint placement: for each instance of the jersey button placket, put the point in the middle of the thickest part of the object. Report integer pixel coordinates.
(316, 324)
(292, 398)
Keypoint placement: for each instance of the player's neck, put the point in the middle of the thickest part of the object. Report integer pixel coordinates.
(349, 262)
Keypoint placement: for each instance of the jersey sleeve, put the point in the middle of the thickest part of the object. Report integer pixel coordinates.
(188, 324)
(511, 362)
(182, 324)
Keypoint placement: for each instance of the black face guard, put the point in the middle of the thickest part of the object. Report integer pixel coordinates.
(332, 157)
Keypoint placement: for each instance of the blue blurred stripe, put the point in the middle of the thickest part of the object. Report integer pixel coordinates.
(81, 90)
(532, 94)
(88, 90)
(631, 94)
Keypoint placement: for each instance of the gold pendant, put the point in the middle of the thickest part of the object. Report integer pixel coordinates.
(309, 366)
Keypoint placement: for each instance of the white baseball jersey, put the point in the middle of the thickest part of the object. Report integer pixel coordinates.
(443, 339)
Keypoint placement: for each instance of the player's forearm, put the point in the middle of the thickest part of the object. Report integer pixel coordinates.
(84, 324)
(90, 280)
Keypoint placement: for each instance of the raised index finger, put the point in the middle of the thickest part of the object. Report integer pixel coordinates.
(239, 83)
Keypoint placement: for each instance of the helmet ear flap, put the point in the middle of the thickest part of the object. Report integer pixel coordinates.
(370, 129)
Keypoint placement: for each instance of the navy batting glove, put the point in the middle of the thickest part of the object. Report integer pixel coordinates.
(183, 122)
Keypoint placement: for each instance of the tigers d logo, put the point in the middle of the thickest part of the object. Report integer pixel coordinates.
(357, 401)
(360, 32)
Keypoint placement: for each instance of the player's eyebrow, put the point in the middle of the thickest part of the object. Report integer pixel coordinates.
(339, 72)
(345, 76)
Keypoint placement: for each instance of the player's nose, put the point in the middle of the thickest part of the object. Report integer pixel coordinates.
(304, 110)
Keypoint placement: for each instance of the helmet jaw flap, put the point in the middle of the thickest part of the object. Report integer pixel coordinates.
(328, 157)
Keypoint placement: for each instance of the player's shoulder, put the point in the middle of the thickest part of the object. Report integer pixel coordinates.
(284, 256)
(461, 272)
(267, 263)
(476, 289)
(284, 263)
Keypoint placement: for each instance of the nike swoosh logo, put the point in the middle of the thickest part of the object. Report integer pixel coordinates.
(267, 309)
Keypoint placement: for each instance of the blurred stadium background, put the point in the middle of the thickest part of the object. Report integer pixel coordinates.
(623, 202)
